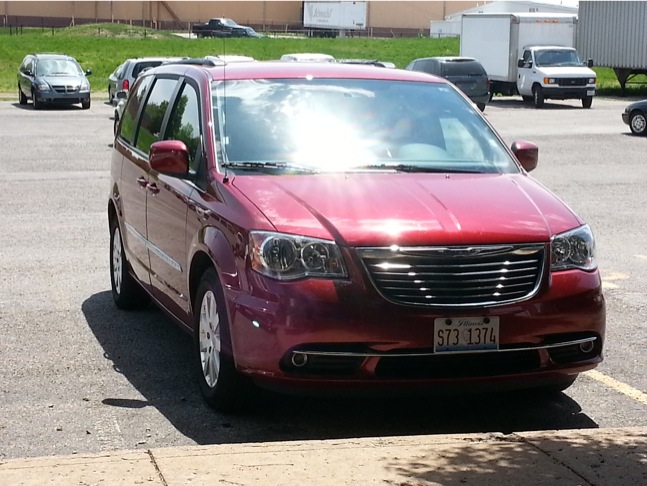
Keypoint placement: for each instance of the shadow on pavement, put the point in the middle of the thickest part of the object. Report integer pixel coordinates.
(154, 355)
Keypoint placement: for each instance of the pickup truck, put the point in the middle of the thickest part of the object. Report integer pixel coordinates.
(222, 27)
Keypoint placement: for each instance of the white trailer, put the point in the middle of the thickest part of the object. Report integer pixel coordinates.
(531, 54)
(334, 17)
(614, 35)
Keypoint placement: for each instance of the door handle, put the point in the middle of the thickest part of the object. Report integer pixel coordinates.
(153, 188)
(142, 182)
(203, 214)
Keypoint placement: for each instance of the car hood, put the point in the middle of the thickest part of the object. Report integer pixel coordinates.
(567, 71)
(62, 80)
(410, 209)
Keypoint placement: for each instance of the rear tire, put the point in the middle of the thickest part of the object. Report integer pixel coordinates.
(638, 123)
(538, 96)
(22, 99)
(587, 101)
(126, 292)
(222, 387)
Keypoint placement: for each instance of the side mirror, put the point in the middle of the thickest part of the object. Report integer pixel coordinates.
(589, 63)
(88, 72)
(527, 153)
(521, 63)
(169, 157)
(28, 72)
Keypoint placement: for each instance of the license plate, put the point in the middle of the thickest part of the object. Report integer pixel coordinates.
(465, 334)
(590, 93)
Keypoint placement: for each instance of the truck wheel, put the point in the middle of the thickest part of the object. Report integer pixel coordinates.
(587, 101)
(538, 96)
(638, 123)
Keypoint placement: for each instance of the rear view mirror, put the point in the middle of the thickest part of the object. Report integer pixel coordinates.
(589, 63)
(527, 154)
(169, 157)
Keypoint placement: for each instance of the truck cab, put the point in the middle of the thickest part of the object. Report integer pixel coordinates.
(554, 72)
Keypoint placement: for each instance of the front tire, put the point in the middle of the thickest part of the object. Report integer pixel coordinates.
(638, 123)
(22, 99)
(587, 101)
(222, 387)
(35, 101)
(86, 104)
(538, 96)
(126, 292)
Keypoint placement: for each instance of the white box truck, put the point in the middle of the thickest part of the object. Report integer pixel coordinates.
(530, 54)
(330, 18)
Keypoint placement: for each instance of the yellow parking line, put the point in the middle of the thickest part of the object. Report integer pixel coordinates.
(618, 386)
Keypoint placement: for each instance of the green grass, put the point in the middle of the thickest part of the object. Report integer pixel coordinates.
(102, 47)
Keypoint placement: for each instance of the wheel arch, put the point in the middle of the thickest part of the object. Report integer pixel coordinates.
(212, 250)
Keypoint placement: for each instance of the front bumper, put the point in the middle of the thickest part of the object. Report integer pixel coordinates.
(62, 98)
(353, 340)
(562, 93)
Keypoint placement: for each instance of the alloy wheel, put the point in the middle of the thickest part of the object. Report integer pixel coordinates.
(117, 260)
(210, 339)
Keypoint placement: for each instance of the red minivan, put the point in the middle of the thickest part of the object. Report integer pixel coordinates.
(335, 228)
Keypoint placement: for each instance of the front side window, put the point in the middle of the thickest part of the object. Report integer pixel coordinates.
(184, 124)
(152, 116)
(345, 125)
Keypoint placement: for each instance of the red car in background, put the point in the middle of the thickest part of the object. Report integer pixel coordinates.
(321, 227)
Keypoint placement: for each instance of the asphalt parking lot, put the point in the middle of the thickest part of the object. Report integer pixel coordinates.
(78, 376)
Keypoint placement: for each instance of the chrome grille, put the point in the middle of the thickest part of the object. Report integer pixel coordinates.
(572, 81)
(62, 88)
(455, 276)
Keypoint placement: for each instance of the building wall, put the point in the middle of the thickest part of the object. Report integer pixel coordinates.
(380, 14)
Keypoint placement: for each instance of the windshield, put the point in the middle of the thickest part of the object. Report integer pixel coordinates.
(557, 57)
(343, 125)
(59, 67)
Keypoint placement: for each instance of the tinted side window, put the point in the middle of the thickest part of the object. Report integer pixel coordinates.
(184, 124)
(131, 110)
(152, 117)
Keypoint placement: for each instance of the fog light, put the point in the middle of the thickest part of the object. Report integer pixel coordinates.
(587, 347)
(299, 359)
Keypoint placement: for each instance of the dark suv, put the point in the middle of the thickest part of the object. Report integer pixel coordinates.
(465, 72)
(52, 78)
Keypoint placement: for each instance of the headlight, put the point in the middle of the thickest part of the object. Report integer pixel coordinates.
(41, 86)
(549, 81)
(591, 80)
(289, 257)
(85, 85)
(573, 249)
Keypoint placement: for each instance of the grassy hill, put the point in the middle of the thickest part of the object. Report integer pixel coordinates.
(102, 47)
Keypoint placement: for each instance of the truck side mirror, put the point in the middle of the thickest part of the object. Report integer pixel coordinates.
(589, 63)
(521, 63)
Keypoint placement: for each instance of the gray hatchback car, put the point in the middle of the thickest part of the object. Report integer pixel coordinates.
(52, 78)
(465, 72)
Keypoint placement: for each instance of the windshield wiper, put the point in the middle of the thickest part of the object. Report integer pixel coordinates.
(419, 168)
(282, 166)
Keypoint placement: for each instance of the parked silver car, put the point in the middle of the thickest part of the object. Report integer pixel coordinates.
(52, 78)
(126, 73)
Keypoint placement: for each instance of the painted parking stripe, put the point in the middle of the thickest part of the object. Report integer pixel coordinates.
(618, 386)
